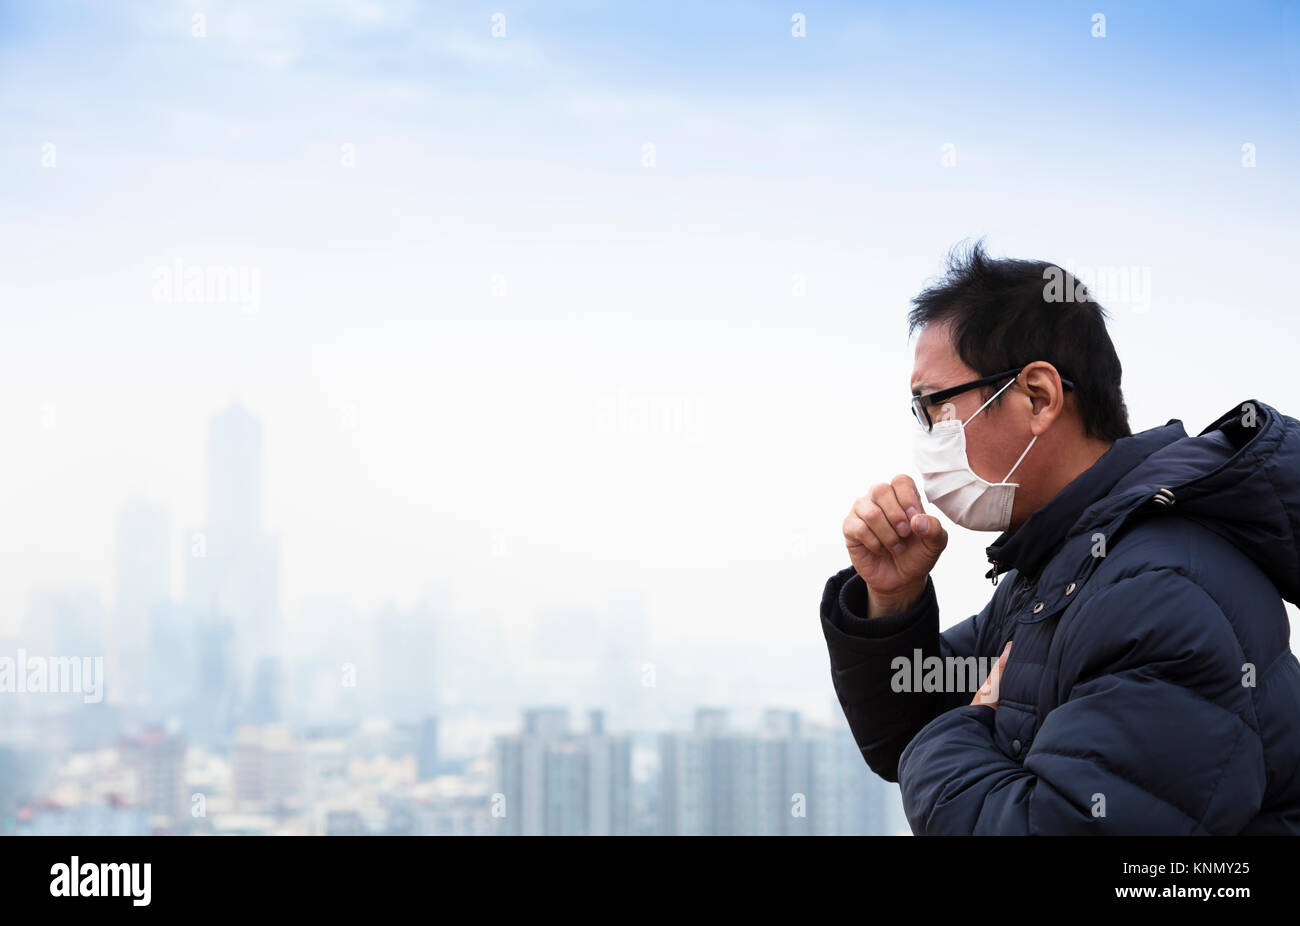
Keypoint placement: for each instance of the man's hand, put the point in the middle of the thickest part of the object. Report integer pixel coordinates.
(988, 693)
(893, 544)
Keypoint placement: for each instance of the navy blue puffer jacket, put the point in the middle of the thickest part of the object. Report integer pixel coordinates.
(1151, 688)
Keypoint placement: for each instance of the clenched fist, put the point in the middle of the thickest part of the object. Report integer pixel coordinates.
(893, 544)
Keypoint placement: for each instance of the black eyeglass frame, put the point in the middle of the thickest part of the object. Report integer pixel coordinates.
(921, 403)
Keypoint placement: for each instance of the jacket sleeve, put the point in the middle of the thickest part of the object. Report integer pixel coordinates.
(1154, 733)
(862, 649)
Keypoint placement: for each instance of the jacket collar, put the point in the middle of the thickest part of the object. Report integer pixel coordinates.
(1034, 542)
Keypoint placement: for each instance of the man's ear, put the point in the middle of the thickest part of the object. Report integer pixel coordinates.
(1046, 394)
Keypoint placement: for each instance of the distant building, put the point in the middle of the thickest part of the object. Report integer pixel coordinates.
(439, 815)
(850, 799)
(172, 670)
(157, 759)
(777, 781)
(265, 701)
(426, 749)
(345, 823)
(406, 643)
(232, 566)
(553, 782)
(108, 818)
(267, 767)
(213, 712)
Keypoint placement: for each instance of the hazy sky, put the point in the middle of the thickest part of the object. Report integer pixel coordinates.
(613, 304)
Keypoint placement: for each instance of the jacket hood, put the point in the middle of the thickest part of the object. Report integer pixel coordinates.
(1239, 477)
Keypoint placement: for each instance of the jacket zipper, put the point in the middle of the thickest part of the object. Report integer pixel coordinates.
(1018, 596)
(1022, 592)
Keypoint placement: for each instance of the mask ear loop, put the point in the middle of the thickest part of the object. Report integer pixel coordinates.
(991, 398)
(985, 405)
(1022, 456)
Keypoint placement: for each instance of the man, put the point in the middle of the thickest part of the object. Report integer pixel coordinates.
(1142, 680)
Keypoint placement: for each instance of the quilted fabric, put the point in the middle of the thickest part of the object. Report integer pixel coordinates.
(1150, 689)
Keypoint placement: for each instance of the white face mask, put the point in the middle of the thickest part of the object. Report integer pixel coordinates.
(952, 486)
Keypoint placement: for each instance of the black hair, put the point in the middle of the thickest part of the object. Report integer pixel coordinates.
(1007, 312)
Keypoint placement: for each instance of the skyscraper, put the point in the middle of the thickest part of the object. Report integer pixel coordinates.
(232, 564)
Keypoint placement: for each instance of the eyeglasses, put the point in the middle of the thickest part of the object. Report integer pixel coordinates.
(921, 403)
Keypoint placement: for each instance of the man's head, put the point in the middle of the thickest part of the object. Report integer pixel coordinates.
(985, 316)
